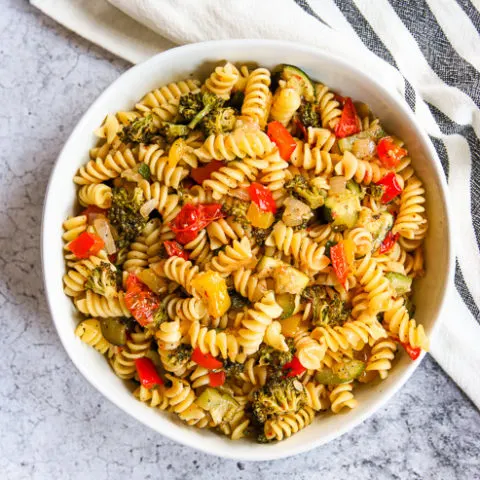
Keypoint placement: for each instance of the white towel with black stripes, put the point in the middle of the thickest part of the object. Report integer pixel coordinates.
(427, 50)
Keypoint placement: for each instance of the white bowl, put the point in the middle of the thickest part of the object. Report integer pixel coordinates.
(177, 64)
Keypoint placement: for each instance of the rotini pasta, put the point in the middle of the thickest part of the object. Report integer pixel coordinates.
(261, 284)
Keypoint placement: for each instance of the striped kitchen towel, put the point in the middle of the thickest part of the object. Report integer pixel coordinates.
(428, 50)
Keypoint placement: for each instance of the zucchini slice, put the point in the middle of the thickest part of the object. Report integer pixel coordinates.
(401, 283)
(298, 79)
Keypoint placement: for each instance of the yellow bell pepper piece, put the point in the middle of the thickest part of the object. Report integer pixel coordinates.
(259, 219)
(212, 288)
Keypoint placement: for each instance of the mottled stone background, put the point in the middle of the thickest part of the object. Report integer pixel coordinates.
(53, 424)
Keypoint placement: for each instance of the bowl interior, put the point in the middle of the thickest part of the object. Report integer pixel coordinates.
(198, 59)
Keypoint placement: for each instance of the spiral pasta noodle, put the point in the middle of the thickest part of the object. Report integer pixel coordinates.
(234, 257)
(360, 170)
(342, 397)
(285, 426)
(374, 283)
(381, 356)
(89, 331)
(316, 159)
(99, 195)
(410, 216)
(327, 105)
(258, 98)
(99, 306)
(222, 80)
(123, 363)
(285, 103)
(307, 253)
(238, 144)
(257, 321)
(167, 93)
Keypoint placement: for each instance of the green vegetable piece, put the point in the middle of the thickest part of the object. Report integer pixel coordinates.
(378, 224)
(144, 171)
(267, 265)
(268, 355)
(237, 300)
(299, 187)
(342, 210)
(287, 302)
(297, 78)
(114, 331)
(219, 120)
(124, 215)
(103, 280)
(279, 396)
(288, 279)
(221, 406)
(327, 309)
(139, 131)
(401, 283)
(236, 100)
(172, 131)
(344, 373)
(374, 132)
(194, 107)
(308, 115)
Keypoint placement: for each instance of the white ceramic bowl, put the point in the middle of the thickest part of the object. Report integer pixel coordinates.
(177, 64)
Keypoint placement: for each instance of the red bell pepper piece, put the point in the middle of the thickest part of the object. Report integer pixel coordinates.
(193, 218)
(206, 360)
(294, 367)
(339, 262)
(217, 379)
(389, 152)
(262, 196)
(140, 300)
(348, 123)
(201, 174)
(147, 372)
(413, 352)
(391, 187)
(388, 242)
(279, 135)
(174, 249)
(86, 245)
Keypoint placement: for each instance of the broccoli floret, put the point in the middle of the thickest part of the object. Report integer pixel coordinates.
(238, 209)
(237, 300)
(160, 316)
(103, 280)
(139, 131)
(124, 215)
(308, 115)
(180, 355)
(195, 106)
(236, 100)
(172, 131)
(327, 309)
(261, 234)
(279, 396)
(232, 368)
(376, 191)
(275, 358)
(219, 120)
(189, 105)
(300, 188)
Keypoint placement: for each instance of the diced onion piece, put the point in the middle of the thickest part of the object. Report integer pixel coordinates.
(240, 193)
(131, 175)
(157, 267)
(148, 207)
(363, 147)
(295, 212)
(103, 230)
(337, 184)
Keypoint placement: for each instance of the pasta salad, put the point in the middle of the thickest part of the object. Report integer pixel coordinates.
(244, 250)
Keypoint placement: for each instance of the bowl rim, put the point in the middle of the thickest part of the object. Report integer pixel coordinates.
(397, 101)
